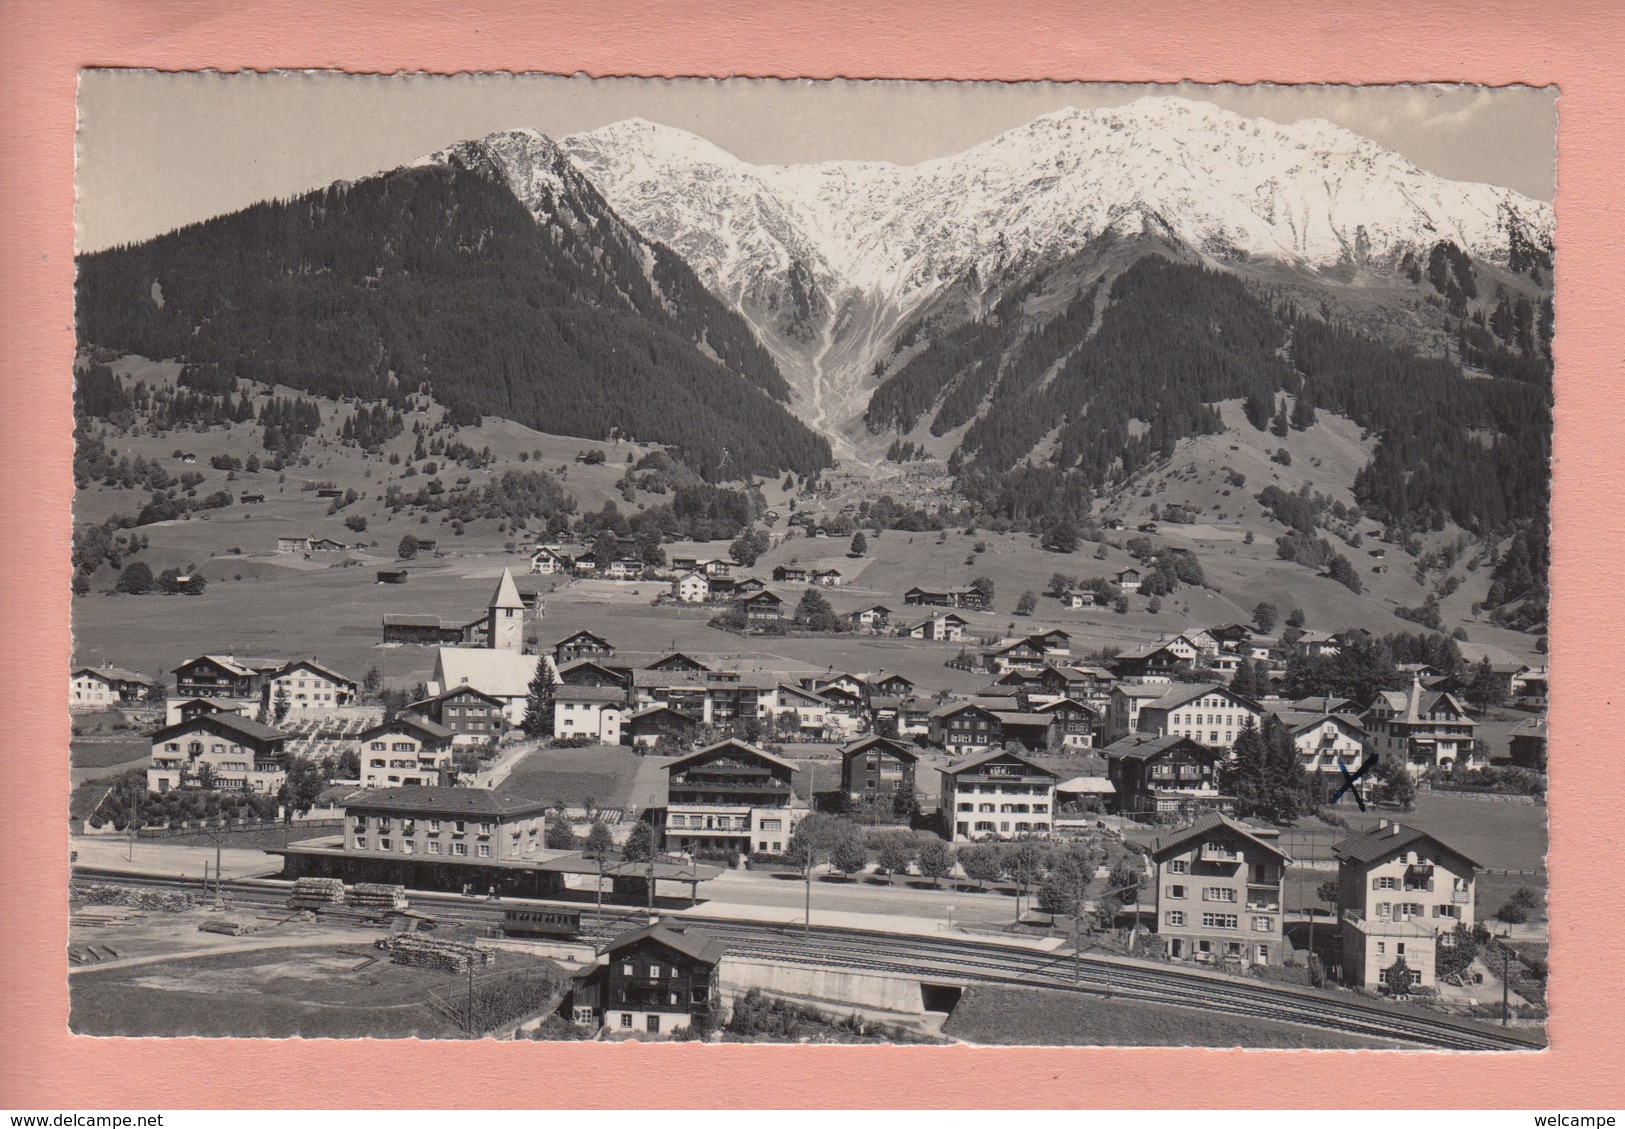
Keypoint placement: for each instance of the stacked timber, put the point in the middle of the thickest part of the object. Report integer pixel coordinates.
(316, 893)
(377, 896)
(427, 952)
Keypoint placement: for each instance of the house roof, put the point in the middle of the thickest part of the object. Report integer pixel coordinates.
(1017, 717)
(114, 673)
(455, 690)
(692, 943)
(1135, 690)
(589, 694)
(413, 619)
(1529, 727)
(806, 695)
(589, 664)
(506, 595)
(948, 709)
(569, 639)
(1324, 703)
(1297, 721)
(312, 664)
(1207, 825)
(1144, 651)
(1410, 705)
(502, 674)
(241, 667)
(447, 801)
(677, 655)
(1088, 785)
(235, 722)
(1140, 746)
(1179, 696)
(752, 749)
(895, 748)
(661, 707)
(410, 721)
(979, 759)
(1381, 841)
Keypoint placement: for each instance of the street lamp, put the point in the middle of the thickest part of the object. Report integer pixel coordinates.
(950, 918)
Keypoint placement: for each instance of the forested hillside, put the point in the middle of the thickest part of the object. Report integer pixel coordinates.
(438, 276)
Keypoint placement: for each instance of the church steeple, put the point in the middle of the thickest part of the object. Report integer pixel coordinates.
(505, 616)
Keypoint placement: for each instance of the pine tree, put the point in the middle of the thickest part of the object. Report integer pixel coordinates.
(1242, 775)
(539, 704)
(1242, 681)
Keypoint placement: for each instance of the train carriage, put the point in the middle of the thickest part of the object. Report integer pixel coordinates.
(540, 921)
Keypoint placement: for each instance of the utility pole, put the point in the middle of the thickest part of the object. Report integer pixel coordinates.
(806, 876)
(1506, 1010)
(471, 991)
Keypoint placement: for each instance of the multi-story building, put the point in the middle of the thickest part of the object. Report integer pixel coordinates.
(225, 676)
(472, 716)
(1421, 729)
(731, 796)
(407, 751)
(762, 607)
(1074, 723)
(963, 728)
(713, 697)
(1164, 775)
(500, 674)
(656, 980)
(1219, 897)
(1327, 743)
(594, 712)
(691, 588)
(307, 685)
(1209, 715)
(940, 629)
(878, 768)
(996, 794)
(1401, 893)
(454, 824)
(582, 645)
(218, 750)
(1124, 705)
(101, 687)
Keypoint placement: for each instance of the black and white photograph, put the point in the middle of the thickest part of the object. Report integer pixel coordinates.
(838, 562)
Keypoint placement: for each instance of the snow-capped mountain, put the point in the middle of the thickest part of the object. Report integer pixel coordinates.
(829, 260)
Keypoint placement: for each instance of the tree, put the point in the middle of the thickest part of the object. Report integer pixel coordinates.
(1063, 537)
(1394, 785)
(1264, 616)
(1059, 584)
(860, 545)
(748, 547)
(1242, 774)
(848, 852)
(1328, 892)
(539, 704)
(408, 548)
(280, 704)
(1295, 618)
(1486, 689)
(1242, 682)
(935, 860)
(599, 841)
(135, 580)
(372, 681)
(1058, 895)
(81, 584)
(356, 523)
(981, 863)
(983, 586)
(640, 843)
(814, 613)
(1120, 605)
(1027, 604)
(896, 854)
(1397, 978)
(1023, 860)
(560, 835)
(1343, 572)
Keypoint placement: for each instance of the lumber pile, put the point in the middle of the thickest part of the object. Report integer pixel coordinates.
(428, 952)
(316, 893)
(377, 896)
(229, 927)
(135, 898)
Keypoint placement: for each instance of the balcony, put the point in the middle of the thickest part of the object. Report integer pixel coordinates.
(1461, 897)
(1263, 899)
(1218, 852)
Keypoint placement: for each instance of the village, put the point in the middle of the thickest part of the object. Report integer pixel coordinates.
(1067, 800)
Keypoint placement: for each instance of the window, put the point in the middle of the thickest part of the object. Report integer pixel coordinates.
(360, 842)
(386, 845)
(1176, 917)
(1263, 925)
(626, 1019)
(1219, 920)
(1263, 954)
(485, 850)
(1385, 883)
(1176, 892)
(1178, 866)
(654, 972)
(378, 746)
(459, 848)
(1232, 948)
(1382, 947)
(1399, 948)
(1219, 894)
(434, 847)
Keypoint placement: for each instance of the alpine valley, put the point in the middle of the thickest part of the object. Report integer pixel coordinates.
(1050, 319)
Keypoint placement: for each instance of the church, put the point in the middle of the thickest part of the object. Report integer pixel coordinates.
(498, 666)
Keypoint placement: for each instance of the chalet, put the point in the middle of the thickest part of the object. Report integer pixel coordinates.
(723, 588)
(731, 795)
(425, 544)
(1161, 659)
(595, 712)
(879, 769)
(1090, 685)
(293, 544)
(677, 661)
(218, 750)
(224, 676)
(329, 492)
(1082, 599)
(893, 684)
(585, 672)
(185, 709)
(945, 597)
(1128, 580)
(996, 794)
(941, 629)
(624, 568)
(963, 728)
(1402, 894)
(1029, 729)
(809, 708)
(582, 645)
(1155, 775)
(407, 751)
(1316, 644)
(1220, 895)
(715, 697)
(748, 586)
(828, 577)
(1327, 743)
(1529, 688)
(1421, 729)
(691, 588)
(472, 716)
(717, 568)
(251, 499)
(1527, 744)
(392, 576)
(1231, 636)
(99, 687)
(906, 716)
(1044, 684)
(656, 980)
(763, 607)
(327, 545)
(852, 687)
(548, 561)
(1019, 654)
(1073, 723)
(307, 685)
(873, 619)
(647, 726)
(1210, 715)
(790, 574)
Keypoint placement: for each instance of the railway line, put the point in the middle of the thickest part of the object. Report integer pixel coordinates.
(966, 961)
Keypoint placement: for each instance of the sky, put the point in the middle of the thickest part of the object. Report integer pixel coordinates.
(157, 150)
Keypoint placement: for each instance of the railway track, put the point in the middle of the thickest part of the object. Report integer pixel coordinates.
(960, 960)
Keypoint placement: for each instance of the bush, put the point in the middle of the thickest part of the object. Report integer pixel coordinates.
(1513, 914)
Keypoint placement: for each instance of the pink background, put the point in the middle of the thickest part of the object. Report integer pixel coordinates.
(1574, 44)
